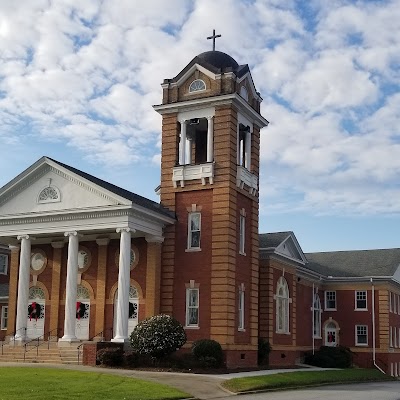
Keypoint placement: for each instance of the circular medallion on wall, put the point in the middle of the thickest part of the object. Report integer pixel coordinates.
(84, 259)
(38, 261)
(134, 257)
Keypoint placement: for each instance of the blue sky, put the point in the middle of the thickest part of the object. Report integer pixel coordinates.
(78, 81)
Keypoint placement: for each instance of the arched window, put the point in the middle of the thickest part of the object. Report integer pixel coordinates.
(244, 93)
(282, 306)
(197, 85)
(49, 194)
(317, 316)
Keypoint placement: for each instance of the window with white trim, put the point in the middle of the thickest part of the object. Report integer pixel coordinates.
(282, 306)
(242, 232)
(395, 303)
(395, 337)
(398, 304)
(330, 300)
(241, 308)
(4, 318)
(361, 299)
(361, 335)
(390, 336)
(390, 302)
(194, 231)
(3, 264)
(317, 316)
(197, 85)
(192, 307)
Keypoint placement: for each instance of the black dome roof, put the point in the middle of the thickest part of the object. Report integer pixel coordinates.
(219, 59)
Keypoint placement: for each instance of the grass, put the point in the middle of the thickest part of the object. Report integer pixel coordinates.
(55, 384)
(303, 378)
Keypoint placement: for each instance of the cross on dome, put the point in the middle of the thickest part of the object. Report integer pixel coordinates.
(213, 37)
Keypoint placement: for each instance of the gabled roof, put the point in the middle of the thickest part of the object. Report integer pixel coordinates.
(282, 244)
(355, 263)
(3, 290)
(135, 198)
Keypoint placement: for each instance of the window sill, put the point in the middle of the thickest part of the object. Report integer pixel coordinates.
(317, 337)
(362, 344)
(330, 309)
(242, 253)
(241, 330)
(282, 333)
(193, 250)
(361, 309)
(191, 327)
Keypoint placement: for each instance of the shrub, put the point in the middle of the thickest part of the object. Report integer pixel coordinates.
(158, 336)
(264, 348)
(208, 352)
(110, 356)
(330, 357)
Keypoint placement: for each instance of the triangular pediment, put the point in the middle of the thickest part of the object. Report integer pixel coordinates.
(48, 186)
(291, 249)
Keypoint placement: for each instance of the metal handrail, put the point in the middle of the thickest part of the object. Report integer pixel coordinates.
(80, 346)
(48, 334)
(24, 328)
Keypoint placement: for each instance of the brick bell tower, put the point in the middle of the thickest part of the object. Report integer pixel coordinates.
(209, 176)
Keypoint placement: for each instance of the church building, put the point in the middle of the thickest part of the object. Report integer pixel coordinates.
(82, 259)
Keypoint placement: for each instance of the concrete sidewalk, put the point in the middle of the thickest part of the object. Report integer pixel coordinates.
(200, 386)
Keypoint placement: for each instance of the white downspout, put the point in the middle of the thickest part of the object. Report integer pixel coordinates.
(313, 320)
(373, 329)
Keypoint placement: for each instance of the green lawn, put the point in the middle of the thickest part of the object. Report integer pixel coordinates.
(49, 384)
(303, 378)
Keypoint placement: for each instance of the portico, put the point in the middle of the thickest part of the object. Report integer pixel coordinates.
(76, 241)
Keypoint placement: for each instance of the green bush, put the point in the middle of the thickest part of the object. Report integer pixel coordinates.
(158, 336)
(208, 352)
(110, 356)
(264, 348)
(330, 357)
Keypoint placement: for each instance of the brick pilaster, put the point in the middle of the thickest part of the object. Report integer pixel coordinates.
(153, 276)
(101, 284)
(13, 285)
(55, 284)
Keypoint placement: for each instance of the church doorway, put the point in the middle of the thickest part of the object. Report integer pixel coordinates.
(36, 313)
(82, 313)
(133, 315)
(331, 334)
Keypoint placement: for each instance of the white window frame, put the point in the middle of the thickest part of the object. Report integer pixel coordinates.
(390, 302)
(357, 333)
(398, 304)
(394, 303)
(395, 337)
(317, 331)
(195, 90)
(357, 294)
(190, 246)
(241, 305)
(390, 336)
(3, 264)
(242, 234)
(189, 307)
(326, 301)
(4, 318)
(282, 306)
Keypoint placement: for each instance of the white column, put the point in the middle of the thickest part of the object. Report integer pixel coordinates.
(23, 288)
(182, 146)
(71, 289)
(248, 150)
(188, 151)
(121, 334)
(210, 139)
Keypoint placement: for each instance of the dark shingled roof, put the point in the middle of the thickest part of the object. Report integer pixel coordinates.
(3, 289)
(215, 61)
(355, 263)
(135, 198)
(273, 239)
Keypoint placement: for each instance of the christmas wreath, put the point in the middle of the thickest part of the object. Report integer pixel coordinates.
(81, 309)
(35, 311)
(132, 310)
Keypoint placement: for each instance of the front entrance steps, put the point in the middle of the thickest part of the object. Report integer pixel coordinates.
(47, 352)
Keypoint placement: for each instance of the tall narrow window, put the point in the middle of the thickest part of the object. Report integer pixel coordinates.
(194, 230)
(282, 306)
(241, 308)
(192, 307)
(4, 318)
(3, 264)
(395, 303)
(242, 232)
(390, 302)
(390, 336)
(361, 335)
(361, 299)
(317, 317)
(330, 300)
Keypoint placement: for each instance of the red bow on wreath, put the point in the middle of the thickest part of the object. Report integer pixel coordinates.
(78, 309)
(33, 311)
